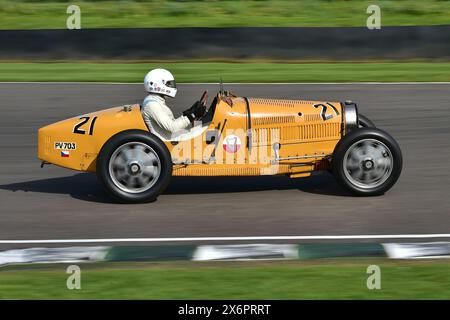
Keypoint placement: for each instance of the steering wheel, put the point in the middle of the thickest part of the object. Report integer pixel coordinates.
(204, 99)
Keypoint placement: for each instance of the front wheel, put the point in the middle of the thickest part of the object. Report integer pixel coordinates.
(367, 162)
(134, 166)
(364, 122)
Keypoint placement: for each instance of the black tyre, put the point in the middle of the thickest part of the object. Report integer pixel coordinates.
(365, 122)
(367, 162)
(134, 166)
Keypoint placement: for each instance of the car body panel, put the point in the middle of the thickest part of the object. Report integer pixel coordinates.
(245, 137)
(83, 155)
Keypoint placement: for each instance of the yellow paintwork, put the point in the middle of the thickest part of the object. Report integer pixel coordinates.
(306, 139)
(83, 158)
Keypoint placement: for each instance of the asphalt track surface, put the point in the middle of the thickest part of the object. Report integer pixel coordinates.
(56, 203)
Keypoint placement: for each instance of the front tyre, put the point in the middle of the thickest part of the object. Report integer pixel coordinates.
(134, 166)
(364, 122)
(367, 162)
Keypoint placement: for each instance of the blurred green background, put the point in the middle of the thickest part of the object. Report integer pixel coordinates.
(225, 280)
(324, 279)
(33, 14)
(197, 72)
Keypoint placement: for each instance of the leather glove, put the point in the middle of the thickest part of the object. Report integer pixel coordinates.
(190, 113)
(196, 111)
(200, 111)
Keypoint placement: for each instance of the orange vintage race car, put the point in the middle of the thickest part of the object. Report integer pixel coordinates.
(237, 136)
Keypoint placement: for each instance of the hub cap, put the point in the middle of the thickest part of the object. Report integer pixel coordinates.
(134, 167)
(368, 163)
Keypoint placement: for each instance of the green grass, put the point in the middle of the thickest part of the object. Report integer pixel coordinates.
(161, 13)
(229, 72)
(231, 280)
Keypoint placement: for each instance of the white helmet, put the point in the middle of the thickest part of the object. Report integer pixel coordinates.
(160, 81)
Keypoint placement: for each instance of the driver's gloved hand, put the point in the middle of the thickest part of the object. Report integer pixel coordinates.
(200, 111)
(196, 111)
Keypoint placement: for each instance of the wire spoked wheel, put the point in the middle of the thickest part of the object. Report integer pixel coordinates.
(134, 167)
(367, 161)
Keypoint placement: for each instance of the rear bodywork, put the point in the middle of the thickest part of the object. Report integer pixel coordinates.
(76, 142)
(244, 137)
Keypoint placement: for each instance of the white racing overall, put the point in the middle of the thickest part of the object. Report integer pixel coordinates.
(160, 119)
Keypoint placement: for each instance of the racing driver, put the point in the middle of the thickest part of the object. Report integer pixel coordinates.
(160, 83)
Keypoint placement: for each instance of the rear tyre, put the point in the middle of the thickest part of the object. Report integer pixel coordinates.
(134, 166)
(367, 162)
(364, 122)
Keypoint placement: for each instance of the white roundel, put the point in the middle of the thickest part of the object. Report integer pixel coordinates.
(231, 143)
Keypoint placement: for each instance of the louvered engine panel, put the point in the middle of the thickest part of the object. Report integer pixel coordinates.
(231, 170)
(272, 120)
(278, 102)
(296, 134)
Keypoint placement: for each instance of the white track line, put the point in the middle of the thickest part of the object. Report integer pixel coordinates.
(197, 239)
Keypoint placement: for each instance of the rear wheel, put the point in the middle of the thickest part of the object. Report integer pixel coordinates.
(134, 166)
(367, 162)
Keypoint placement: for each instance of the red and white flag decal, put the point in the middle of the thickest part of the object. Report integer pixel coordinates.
(231, 143)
